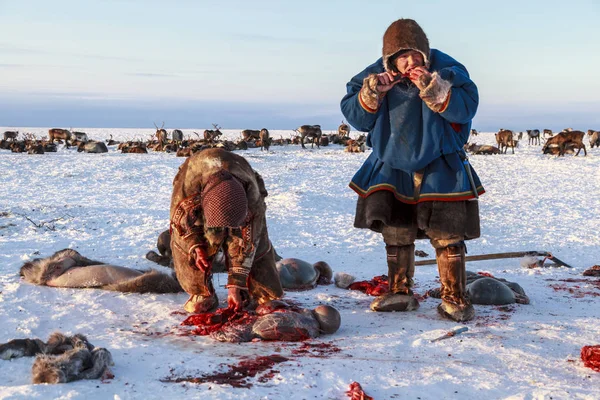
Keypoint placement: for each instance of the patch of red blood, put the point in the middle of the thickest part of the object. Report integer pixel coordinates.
(577, 290)
(107, 376)
(493, 320)
(356, 392)
(319, 350)
(238, 374)
(485, 274)
(420, 298)
(208, 323)
(375, 287)
(592, 271)
(590, 355)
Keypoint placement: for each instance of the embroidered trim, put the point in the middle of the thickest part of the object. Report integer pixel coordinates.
(184, 206)
(239, 271)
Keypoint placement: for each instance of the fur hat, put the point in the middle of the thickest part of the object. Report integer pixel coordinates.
(224, 201)
(404, 34)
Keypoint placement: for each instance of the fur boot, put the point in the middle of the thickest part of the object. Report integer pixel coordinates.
(202, 304)
(453, 276)
(401, 269)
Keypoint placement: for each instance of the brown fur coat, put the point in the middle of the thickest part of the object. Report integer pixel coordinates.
(187, 229)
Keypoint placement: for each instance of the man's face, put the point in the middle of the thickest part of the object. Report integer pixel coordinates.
(409, 60)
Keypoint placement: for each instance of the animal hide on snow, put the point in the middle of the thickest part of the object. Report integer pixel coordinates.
(62, 359)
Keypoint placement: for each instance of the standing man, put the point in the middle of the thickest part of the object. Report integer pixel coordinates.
(417, 104)
(218, 202)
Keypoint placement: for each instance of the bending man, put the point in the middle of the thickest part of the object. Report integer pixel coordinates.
(218, 201)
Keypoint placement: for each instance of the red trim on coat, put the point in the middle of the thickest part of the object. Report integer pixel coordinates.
(446, 102)
(422, 198)
(364, 106)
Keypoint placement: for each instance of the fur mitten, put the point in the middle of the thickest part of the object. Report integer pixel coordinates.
(369, 96)
(436, 93)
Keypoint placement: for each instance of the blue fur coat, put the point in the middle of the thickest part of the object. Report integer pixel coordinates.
(407, 136)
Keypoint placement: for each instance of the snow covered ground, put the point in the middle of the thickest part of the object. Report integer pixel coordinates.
(112, 207)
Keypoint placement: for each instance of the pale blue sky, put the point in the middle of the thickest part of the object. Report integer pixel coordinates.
(278, 64)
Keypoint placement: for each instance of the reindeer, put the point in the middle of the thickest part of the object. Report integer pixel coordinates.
(161, 133)
(18, 146)
(474, 148)
(312, 131)
(57, 133)
(177, 135)
(520, 136)
(534, 136)
(343, 130)
(12, 135)
(594, 138)
(265, 139)
(353, 146)
(548, 132)
(250, 135)
(79, 136)
(474, 132)
(35, 148)
(92, 147)
(356, 145)
(211, 135)
(111, 142)
(504, 138)
(563, 140)
(133, 147)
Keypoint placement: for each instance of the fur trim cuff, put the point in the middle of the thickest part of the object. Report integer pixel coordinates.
(436, 93)
(238, 279)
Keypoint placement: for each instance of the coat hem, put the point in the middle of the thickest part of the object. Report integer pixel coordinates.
(422, 198)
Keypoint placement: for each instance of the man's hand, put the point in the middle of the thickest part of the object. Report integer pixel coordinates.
(234, 299)
(386, 81)
(202, 261)
(420, 77)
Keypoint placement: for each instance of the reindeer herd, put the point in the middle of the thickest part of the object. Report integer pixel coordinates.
(566, 141)
(177, 143)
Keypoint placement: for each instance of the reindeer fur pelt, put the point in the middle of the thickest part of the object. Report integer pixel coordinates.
(38, 271)
(62, 359)
(150, 282)
(41, 270)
